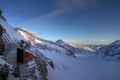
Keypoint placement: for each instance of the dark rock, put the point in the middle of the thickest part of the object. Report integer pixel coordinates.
(4, 72)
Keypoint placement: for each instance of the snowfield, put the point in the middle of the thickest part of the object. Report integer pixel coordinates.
(84, 67)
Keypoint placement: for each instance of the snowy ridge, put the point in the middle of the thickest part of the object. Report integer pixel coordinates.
(45, 44)
(11, 31)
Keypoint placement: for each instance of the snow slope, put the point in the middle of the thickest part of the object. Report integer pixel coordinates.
(112, 50)
(11, 31)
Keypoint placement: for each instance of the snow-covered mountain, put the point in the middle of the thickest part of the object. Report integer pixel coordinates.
(59, 45)
(55, 60)
(112, 50)
(10, 41)
(75, 49)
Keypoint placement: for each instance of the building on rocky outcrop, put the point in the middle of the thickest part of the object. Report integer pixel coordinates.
(21, 60)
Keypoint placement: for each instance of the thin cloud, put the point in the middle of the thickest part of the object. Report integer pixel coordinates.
(100, 41)
(77, 4)
(43, 18)
(87, 42)
(72, 4)
(53, 13)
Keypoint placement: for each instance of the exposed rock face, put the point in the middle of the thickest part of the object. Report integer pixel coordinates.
(4, 71)
(42, 62)
(1, 30)
(2, 46)
(66, 47)
(60, 42)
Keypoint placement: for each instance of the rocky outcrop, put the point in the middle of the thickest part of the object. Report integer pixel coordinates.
(42, 62)
(4, 72)
(2, 46)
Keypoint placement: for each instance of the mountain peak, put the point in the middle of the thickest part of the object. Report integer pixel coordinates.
(60, 42)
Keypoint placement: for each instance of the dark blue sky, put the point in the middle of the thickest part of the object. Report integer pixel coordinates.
(73, 20)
